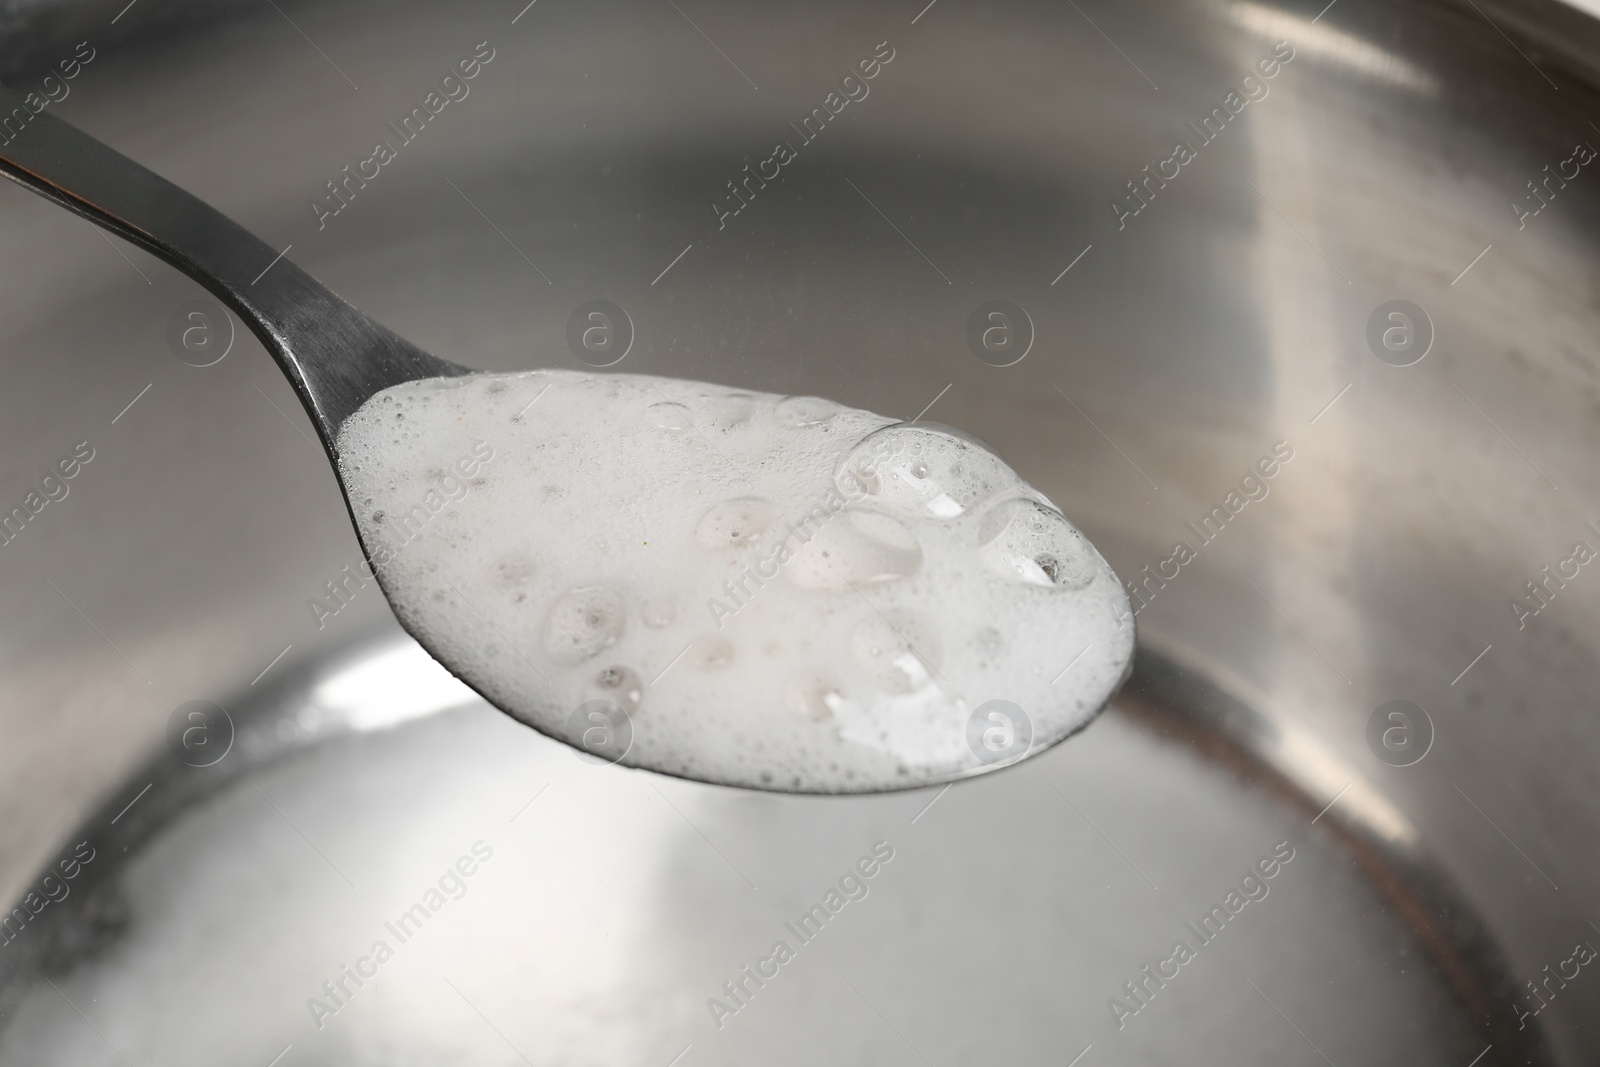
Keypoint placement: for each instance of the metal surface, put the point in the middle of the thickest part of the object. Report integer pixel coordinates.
(220, 864)
(1230, 313)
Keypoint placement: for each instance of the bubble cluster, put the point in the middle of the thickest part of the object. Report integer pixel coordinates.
(779, 592)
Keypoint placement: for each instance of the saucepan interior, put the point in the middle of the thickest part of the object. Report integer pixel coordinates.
(1301, 316)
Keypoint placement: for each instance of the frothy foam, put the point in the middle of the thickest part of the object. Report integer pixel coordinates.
(777, 592)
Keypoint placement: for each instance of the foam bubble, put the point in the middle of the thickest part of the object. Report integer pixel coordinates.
(658, 612)
(805, 411)
(774, 591)
(669, 416)
(1025, 541)
(899, 650)
(732, 523)
(583, 623)
(710, 653)
(621, 685)
(935, 469)
(862, 548)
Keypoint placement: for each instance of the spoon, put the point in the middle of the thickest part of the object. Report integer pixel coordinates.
(333, 355)
(775, 593)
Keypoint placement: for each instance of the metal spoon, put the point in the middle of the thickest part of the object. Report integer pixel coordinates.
(335, 357)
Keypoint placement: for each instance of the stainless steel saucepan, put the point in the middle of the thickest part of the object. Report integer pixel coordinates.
(1291, 306)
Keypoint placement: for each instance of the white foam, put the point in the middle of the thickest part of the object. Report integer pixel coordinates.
(780, 592)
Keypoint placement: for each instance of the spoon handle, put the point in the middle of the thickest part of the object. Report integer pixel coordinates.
(334, 355)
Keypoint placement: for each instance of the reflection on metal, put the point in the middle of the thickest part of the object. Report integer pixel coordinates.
(384, 684)
(1271, 751)
(1324, 41)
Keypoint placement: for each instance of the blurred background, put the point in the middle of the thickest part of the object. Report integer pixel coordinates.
(1427, 158)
